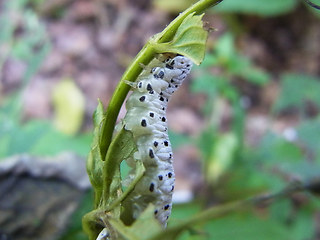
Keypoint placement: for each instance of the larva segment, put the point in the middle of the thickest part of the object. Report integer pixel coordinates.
(103, 235)
(146, 119)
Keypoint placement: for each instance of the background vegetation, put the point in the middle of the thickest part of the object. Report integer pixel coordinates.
(254, 101)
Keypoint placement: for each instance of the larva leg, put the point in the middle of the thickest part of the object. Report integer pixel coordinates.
(131, 84)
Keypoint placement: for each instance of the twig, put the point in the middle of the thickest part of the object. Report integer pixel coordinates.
(312, 4)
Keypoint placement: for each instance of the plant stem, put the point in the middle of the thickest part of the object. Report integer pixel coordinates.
(133, 71)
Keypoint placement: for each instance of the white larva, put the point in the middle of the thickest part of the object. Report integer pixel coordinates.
(146, 119)
(103, 235)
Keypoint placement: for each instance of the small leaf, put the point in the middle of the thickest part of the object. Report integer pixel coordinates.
(121, 148)
(98, 116)
(140, 170)
(189, 40)
(94, 161)
(143, 228)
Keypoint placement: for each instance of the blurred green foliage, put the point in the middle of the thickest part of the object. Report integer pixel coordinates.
(261, 7)
(31, 46)
(37, 137)
(298, 91)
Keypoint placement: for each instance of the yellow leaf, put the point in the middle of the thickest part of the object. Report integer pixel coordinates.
(69, 106)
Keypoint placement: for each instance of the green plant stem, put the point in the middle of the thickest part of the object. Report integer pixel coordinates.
(144, 57)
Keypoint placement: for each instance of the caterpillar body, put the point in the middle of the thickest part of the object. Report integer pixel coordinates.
(146, 119)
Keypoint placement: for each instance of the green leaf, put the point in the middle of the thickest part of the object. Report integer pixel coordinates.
(122, 147)
(143, 228)
(95, 161)
(189, 40)
(105, 176)
(140, 170)
(261, 7)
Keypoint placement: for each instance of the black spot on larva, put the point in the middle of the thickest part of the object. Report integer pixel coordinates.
(172, 63)
(152, 70)
(155, 143)
(151, 154)
(161, 99)
(176, 86)
(161, 93)
(155, 212)
(142, 98)
(163, 108)
(151, 114)
(171, 81)
(161, 74)
(151, 188)
(160, 177)
(166, 207)
(151, 92)
(170, 155)
(149, 87)
(183, 72)
(165, 129)
(166, 143)
(140, 85)
(155, 75)
(163, 119)
(169, 66)
(143, 123)
(172, 188)
(170, 175)
(167, 99)
(188, 65)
